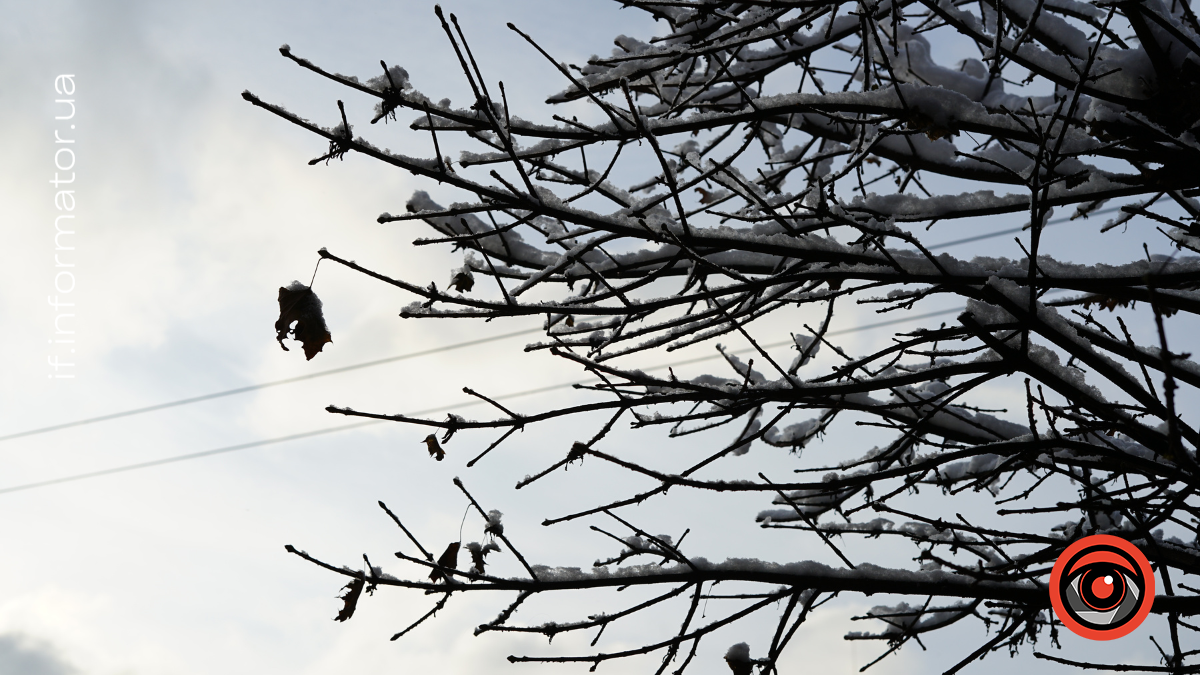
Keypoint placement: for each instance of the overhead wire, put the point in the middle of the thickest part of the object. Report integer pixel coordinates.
(258, 444)
(444, 408)
(401, 357)
(264, 385)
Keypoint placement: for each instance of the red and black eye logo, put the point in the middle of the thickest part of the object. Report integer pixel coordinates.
(1102, 587)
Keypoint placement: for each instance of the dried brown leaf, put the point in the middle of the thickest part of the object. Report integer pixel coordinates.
(353, 590)
(435, 450)
(298, 304)
(477, 557)
(478, 553)
(462, 281)
(448, 559)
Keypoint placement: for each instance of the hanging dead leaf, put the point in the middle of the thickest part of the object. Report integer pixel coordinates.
(435, 450)
(353, 592)
(477, 561)
(298, 304)
(462, 280)
(448, 559)
(871, 160)
(706, 197)
(478, 553)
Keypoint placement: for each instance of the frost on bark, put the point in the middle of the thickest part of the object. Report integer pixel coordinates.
(792, 156)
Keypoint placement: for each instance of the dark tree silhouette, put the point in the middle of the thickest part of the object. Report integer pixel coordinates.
(793, 155)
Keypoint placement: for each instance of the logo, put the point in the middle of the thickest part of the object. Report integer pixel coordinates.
(1102, 587)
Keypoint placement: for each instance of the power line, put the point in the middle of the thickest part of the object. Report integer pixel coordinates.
(264, 385)
(392, 359)
(181, 458)
(356, 425)
(269, 441)
(332, 371)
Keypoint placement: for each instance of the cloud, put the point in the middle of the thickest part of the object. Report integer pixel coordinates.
(20, 655)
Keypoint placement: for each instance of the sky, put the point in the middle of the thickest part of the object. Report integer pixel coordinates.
(192, 208)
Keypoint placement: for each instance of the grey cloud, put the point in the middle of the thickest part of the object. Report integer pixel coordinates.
(21, 656)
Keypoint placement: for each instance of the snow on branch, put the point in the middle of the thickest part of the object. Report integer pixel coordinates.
(763, 164)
